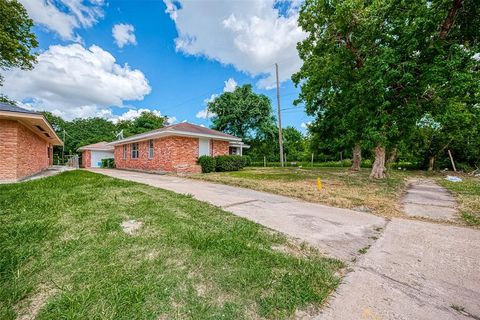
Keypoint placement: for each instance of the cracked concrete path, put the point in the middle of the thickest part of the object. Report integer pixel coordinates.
(425, 198)
(416, 270)
(337, 232)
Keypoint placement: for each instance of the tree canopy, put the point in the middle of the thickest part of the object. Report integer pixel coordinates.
(80, 132)
(242, 113)
(376, 68)
(16, 38)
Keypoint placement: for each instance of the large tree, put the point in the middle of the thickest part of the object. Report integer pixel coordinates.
(146, 121)
(16, 38)
(387, 62)
(242, 113)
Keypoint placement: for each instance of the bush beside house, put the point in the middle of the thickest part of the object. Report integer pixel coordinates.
(221, 163)
(108, 163)
(207, 163)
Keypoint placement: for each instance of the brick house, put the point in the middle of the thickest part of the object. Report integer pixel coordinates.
(26, 143)
(93, 154)
(174, 148)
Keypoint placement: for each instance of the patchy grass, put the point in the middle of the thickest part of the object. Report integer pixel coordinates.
(340, 187)
(64, 255)
(364, 249)
(467, 194)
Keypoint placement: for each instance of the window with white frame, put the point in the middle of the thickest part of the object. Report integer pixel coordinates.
(124, 151)
(134, 151)
(150, 149)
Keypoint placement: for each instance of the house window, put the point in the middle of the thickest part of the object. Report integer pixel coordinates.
(150, 149)
(124, 151)
(134, 150)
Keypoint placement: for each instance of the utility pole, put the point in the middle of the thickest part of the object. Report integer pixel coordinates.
(280, 136)
(63, 148)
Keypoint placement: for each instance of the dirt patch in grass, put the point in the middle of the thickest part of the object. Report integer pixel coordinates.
(29, 308)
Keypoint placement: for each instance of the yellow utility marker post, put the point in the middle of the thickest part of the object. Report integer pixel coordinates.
(319, 183)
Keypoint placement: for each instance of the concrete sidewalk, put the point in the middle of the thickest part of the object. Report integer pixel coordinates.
(337, 232)
(415, 270)
(425, 198)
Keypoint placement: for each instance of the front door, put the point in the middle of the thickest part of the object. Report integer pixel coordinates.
(203, 147)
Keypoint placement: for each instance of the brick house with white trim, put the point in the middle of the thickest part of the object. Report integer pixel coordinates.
(93, 154)
(174, 148)
(26, 143)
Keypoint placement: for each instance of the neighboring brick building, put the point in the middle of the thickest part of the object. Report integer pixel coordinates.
(26, 143)
(174, 148)
(93, 154)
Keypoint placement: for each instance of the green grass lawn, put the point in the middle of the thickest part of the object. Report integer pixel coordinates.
(64, 255)
(467, 194)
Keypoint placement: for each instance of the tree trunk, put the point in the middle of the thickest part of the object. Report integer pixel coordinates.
(357, 157)
(393, 156)
(378, 169)
(431, 161)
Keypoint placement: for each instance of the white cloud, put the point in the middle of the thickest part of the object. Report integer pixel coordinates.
(230, 86)
(305, 125)
(132, 114)
(64, 16)
(251, 37)
(204, 114)
(73, 81)
(135, 113)
(123, 34)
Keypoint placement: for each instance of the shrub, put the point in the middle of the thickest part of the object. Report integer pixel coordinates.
(207, 163)
(108, 163)
(229, 163)
(247, 160)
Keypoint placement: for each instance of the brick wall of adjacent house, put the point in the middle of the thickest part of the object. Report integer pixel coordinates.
(219, 147)
(86, 159)
(173, 154)
(22, 152)
(8, 150)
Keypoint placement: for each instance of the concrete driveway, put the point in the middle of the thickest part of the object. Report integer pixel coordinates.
(415, 270)
(337, 232)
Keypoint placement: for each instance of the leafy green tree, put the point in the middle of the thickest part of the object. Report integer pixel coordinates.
(16, 38)
(147, 121)
(389, 61)
(264, 144)
(80, 132)
(242, 113)
(293, 143)
(457, 129)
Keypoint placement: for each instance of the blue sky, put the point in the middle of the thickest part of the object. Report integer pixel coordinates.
(116, 58)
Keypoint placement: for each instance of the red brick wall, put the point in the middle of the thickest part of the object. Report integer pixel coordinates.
(174, 154)
(32, 153)
(86, 159)
(8, 150)
(219, 148)
(22, 152)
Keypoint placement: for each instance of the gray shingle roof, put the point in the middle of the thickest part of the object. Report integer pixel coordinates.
(9, 107)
